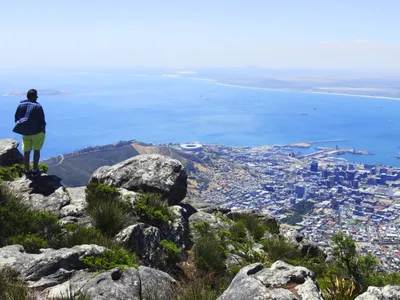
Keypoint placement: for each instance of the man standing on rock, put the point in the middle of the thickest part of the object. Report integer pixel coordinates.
(30, 123)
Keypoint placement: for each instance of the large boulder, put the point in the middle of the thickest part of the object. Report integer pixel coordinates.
(214, 222)
(43, 192)
(306, 246)
(144, 240)
(149, 173)
(129, 284)
(281, 281)
(386, 293)
(178, 230)
(156, 285)
(49, 268)
(9, 153)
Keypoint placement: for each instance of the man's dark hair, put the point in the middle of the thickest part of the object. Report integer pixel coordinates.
(32, 94)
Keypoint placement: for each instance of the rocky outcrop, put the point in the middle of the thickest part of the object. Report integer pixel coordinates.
(214, 222)
(281, 281)
(156, 285)
(386, 293)
(43, 192)
(149, 173)
(60, 273)
(144, 240)
(9, 153)
(129, 284)
(178, 230)
(306, 247)
(48, 268)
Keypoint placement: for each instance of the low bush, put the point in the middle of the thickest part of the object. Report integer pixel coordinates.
(238, 231)
(17, 171)
(209, 250)
(110, 259)
(10, 287)
(172, 253)
(255, 226)
(109, 211)
(152, 209)
(17, 221)
(280, 249)
(206, 286)
(76, 235)
(32, 243)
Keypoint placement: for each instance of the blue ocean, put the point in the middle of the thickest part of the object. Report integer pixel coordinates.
(101, 109)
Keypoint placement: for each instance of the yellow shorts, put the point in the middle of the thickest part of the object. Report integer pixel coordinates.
(33, 142)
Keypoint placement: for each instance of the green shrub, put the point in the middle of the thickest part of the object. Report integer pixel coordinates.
(17, 170)
(17, 219)
(100, 192)
(172, 253)
(42, 168)
(106, 207)
(357, 268)
(11, 173)
(152, 209)
(255, 226)
(110, 217)
(280, 249)
(385, 279)
(76, 235)
(209, 250)
(10, 287)
(206, 286)
(110, 259)
(238, 231)
(32, 243)
(338, 288)
(202, 228)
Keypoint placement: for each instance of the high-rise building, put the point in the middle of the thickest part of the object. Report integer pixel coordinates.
(300, 190)
(314, 166)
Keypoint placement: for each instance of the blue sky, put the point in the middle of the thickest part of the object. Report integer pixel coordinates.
(341, 34)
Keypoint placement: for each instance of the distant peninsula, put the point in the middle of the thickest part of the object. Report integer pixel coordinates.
(45, 92)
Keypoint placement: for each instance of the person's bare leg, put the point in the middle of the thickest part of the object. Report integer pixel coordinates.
(36, 157)
(27, 156)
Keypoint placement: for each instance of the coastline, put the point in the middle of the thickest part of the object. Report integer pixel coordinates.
(307, 92)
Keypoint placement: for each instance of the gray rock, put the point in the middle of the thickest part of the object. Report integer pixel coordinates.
(70, 287)
(245, 287)
(306, 247)
(156, 285)
(144, 240)
(43, 192)
(129, 284)
(200, 205)
(115, 284)
(281, 281)
(178, 231)
(77, 204)
(234, 260)
(214, 222)
(50, 267)
(386, 293)
(149, 173)
(9, 153)
(128, 195)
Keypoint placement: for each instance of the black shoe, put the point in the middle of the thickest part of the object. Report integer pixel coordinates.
(35, 172)
(27, 173)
